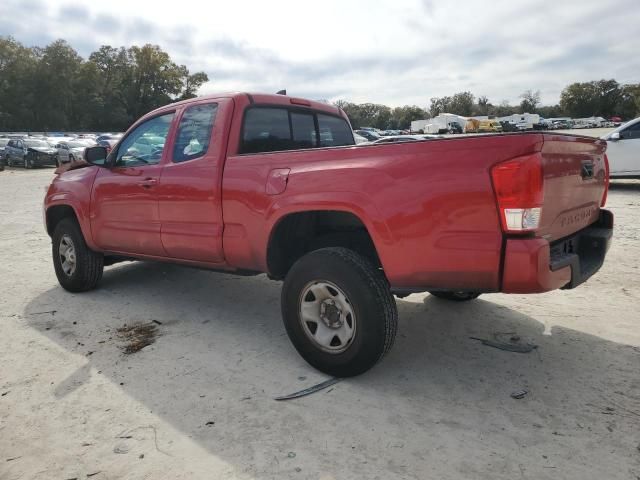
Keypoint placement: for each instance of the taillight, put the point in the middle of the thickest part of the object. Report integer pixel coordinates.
(518, 185)
(606, 181)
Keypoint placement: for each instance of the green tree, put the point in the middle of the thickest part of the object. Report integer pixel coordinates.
(460, 103)
(191, 82)
(18, 66)
(401, 117)
(530, 101)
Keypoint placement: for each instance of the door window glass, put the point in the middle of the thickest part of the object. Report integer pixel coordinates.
(194, 132)
(145, 144)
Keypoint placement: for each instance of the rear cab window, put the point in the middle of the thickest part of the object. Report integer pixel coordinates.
(273, 129)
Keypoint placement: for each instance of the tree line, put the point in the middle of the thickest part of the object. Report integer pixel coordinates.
(605, 98)
(55, 89)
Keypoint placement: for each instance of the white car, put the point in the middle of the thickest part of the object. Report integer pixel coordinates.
(623, 150)
(69, 151)
(359, 139)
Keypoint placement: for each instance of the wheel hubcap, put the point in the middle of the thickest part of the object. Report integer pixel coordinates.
(67, 252)
(327, 317)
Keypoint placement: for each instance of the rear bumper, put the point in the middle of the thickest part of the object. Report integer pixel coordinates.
(535, 266)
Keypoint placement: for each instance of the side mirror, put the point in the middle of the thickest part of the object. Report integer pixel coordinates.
(95, 156)
(615, 136)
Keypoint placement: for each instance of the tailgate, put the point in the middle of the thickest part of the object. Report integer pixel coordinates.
(575, 179)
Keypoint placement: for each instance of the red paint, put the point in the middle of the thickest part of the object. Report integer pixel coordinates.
(430, 207)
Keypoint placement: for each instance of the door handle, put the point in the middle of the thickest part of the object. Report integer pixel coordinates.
(148, 182)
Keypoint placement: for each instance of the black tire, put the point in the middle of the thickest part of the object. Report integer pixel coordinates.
(27, 162)
(88, 264)
(456, 296)
(9, 162)
(369, 296)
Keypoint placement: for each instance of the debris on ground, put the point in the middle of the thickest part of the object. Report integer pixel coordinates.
(5, 393)
(291, 454)
(12, 459)
(94, 473)
(121, 448)
(519, 394)
(52, 312)
(310, 390)
(137, 336)
(509, 342)
(210, 423)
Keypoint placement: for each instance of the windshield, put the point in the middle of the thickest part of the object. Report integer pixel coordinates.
(36, 143)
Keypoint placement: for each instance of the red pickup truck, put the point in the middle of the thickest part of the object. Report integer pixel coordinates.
(270, 183)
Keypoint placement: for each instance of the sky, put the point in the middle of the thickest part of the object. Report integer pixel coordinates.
(391, 52)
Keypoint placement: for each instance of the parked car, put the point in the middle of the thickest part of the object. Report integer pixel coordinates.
(489, 126)
(623, 150)
(508, 126)
(109, 136)
(3, 143)
(370, 135)
(71, 150)
(561, 124)
(345, 228)
(359, 139)
(454, 128)
(108, 143)
(29, 152)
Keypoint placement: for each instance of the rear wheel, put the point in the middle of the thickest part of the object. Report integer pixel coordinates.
(338, 311)
(77, 267)
(456, 296)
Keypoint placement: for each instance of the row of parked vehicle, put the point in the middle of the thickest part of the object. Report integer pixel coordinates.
(31, 151)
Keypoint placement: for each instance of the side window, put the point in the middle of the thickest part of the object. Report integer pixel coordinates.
(266, 130)
(304, 130)
(334, 131)
(194, 132)
(145, 144)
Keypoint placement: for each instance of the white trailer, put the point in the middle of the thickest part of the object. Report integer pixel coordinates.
(442, 123)
(530, 119)
(418, 125)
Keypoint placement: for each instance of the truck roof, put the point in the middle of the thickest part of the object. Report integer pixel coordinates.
(261, 98)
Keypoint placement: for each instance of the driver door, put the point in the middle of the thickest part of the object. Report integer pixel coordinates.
(124, 200)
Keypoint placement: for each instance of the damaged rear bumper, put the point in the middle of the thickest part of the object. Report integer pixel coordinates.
(534, 265)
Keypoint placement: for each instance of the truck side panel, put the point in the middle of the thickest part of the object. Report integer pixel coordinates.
(435, 197)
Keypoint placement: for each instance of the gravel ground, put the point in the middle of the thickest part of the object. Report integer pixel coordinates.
(199, 402)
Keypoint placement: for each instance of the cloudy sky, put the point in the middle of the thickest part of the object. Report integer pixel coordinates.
(393, 52)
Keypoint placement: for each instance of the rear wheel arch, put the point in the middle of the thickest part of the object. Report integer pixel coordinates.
(298, 233)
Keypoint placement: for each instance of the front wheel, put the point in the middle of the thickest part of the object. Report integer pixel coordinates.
(456, 296)
(77, 267)
(338, 311)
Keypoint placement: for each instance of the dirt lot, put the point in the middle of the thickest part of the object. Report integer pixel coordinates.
(199, 402)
